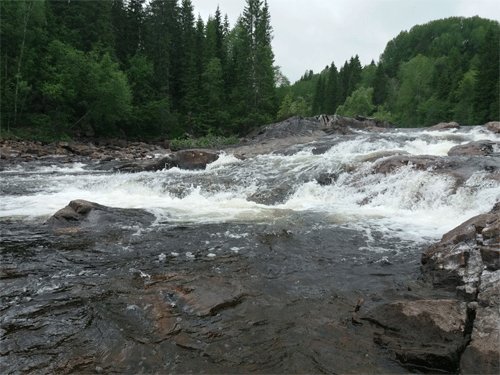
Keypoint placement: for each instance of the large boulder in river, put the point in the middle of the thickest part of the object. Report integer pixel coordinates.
(84, 215)
(493, 126)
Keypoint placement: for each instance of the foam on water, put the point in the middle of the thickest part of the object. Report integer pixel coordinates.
(412, 203)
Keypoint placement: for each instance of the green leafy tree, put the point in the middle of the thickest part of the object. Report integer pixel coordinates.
(291, 108)
(415, 90)
(463, 109)
(358, 103)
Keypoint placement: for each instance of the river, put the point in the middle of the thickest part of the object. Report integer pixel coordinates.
(251, 265)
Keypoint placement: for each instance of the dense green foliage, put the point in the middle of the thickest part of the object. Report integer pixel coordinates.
(446, 70)
(134, 68)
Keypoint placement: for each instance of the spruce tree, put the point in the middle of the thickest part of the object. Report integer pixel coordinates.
(486, 99)
(380, 86)
(331, 90)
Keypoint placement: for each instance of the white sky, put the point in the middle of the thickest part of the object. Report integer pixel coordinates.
(310, 34)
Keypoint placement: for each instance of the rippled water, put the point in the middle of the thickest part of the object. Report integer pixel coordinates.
(248, 266)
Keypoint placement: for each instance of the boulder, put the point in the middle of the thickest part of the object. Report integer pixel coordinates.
(445, 126)
(84, 215)
(388, 165)
(478, 148)
(425, 333)
(493, 126)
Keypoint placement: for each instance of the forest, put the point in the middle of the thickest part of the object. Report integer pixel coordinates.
(446, 70)
(147, 70)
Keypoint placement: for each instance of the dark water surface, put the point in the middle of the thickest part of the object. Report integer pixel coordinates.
(213, 298)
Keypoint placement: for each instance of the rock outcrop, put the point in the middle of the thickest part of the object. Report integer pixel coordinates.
(460, 334)
(467, 259)
(458, 260)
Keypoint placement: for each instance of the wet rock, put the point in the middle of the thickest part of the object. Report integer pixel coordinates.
(184, 159)
(479, 148)
(445, 126)
(456, 262)
(81, 214)
(325, 179)
(389, 165)
(427, 333)
(299, 130)
(273, 194)
(467, 259)
(482, 355)
(493, 126)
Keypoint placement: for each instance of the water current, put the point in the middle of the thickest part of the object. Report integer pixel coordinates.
(251, 265)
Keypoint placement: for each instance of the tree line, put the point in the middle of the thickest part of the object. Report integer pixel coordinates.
(138, 69)
(134, 68)
(446, 70)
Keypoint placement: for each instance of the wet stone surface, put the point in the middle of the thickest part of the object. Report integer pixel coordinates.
(213, 298)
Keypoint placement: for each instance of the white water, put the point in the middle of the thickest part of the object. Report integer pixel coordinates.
(407, 203)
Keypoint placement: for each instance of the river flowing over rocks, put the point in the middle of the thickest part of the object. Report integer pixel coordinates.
(317, 245)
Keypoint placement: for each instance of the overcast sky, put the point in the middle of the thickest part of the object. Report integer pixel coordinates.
(310, 34)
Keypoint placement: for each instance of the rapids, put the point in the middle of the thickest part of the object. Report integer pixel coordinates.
(248, 266)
